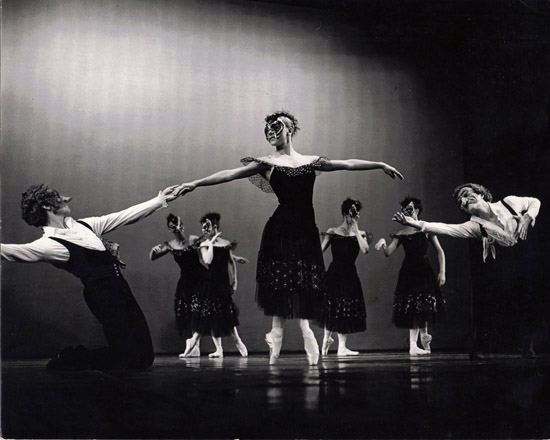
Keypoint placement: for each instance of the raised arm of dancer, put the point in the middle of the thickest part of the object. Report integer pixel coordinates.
(159, 251)
(360, 165)
(238, 259)
(388, 250)
(528, 209)
(220, 177)
(207, 249)
(361, 238)
(440, 258)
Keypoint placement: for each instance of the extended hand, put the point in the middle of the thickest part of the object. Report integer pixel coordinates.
(380, 244)
(392, 172)
(523, 225)
(170, 193)
(184, 188)
(399, 217)
(212, 240)
(441, 279)
(241, 260)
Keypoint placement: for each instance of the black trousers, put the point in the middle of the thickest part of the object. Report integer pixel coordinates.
(129, 341)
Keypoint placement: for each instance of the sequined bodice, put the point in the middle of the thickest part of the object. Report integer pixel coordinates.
(415, 245)
(293, 185)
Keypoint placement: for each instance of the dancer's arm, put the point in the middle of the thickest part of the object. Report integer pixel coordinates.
(360, 165)
(361, 237)
(388, 250)
(107, 223)
(159, 251)
(468, 229)
(528, 209)
(238, 259)
(232, 268)
(43, 249)
(207, 249)
(326, 240)
(220, 177)
(440, 258)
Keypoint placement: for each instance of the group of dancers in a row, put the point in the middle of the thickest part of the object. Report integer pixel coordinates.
(290, 275)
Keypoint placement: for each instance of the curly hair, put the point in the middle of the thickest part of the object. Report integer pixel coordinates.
(283, 113)
(477, 188)
(32, 202)
(214, 218)
(416, 202)
(348, 203)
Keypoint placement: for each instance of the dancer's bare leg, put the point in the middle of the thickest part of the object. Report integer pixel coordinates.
(190, 344)
(327, 342)
(414, 350)
(342, 349)
(310, 343)
(275, 339)
(219, 349)
(425, 338)
(239, 343)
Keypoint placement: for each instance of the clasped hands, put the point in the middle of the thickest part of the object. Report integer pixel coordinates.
(172, 192)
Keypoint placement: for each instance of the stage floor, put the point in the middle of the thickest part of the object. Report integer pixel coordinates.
(374, 395)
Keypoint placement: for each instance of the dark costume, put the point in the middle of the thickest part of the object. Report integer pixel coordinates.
(417, 294)
(290, 272)
(111, 301)
(344, 309)
(190, 269)
(212, 308)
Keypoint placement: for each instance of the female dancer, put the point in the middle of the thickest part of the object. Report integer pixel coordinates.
(212, 308)
(418, 299)
(344, 310)
(290, 272)
(185, 253)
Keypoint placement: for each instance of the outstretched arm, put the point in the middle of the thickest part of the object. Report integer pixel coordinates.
(468, 229)
(220, 177)
(361, 165)
(440, 258)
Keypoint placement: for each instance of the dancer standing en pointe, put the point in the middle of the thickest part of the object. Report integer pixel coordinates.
(290, 271)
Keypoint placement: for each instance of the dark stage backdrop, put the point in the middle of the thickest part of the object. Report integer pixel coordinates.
(111, 101)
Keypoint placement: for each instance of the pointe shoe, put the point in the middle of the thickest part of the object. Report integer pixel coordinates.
(195, 353)
(187, 349)
(312, 349)
(327, 342)
(425, 340)
(274, 343)
(346, 352)
(242, 348)
(216, 354)
(416, 351)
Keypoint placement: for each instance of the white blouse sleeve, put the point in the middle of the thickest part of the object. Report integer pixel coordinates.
(43, 249)
(469, 229)
(529, 205)
(106, 223)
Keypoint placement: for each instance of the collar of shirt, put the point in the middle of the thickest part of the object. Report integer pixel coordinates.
(75, 233)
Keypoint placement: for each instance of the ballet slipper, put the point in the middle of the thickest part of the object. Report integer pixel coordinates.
(241, 347)
(425, 340)
(216, 354)
(274, 342)
(416, 351)
(346, 352)
(327, 342)
(312, 348)
(189, 346)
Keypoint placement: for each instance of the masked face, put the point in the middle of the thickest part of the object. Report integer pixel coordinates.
(207, 228)
(410, 210)
(274, 130)
(176, 226)
(468, 199)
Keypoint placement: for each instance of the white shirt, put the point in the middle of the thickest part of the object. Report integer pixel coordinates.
(503, 232)
(45, 249)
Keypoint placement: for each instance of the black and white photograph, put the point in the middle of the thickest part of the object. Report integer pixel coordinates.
(275, 219)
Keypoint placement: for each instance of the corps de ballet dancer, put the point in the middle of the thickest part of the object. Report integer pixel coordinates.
(344, 311)
(418, 300)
